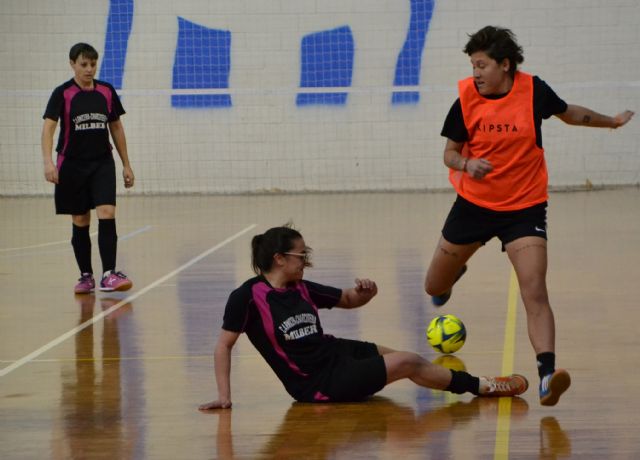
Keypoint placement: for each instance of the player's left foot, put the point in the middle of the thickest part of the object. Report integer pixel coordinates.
(552, 386)
(115, 281)
(511, 385)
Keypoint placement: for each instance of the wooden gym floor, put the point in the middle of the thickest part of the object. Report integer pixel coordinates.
(121, 375)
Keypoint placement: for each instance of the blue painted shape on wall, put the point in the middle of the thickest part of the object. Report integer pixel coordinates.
(202, 61)
(326, 61)
(119, 24)
(405, 97)
(409, 61)
(321, 99)
(185, 101)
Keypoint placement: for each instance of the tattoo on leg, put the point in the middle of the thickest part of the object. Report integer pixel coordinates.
(586, 119)
(531, 246)
(449, 253)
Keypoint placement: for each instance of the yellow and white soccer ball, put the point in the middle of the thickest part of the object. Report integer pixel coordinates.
(446, 333)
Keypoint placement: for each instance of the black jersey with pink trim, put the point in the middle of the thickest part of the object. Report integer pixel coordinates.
(284, 326)
(84, 117)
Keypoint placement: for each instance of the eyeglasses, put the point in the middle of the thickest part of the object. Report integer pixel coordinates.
(305, 256)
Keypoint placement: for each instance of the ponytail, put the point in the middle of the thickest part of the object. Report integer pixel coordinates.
(276, 240)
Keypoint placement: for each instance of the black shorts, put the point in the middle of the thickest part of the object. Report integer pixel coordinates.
(469, 223)
(359, 372)
(83, 185)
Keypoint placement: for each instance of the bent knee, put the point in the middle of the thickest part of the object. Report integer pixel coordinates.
(402, 364)
(411, 362)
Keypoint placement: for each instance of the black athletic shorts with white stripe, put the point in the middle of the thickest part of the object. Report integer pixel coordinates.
(469, 223)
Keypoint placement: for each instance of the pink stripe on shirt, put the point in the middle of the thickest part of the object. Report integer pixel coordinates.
(260, 291)
(68, 94)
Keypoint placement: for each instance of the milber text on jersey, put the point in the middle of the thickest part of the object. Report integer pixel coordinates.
(90, 121)
(293, 321)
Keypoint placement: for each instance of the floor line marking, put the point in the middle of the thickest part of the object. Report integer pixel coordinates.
(92, 234)
(134, 233)
(66, 248)
(501, 449)
(24, 360)
(41, 245)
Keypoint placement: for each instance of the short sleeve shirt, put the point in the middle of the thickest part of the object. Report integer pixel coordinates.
(84, 117)
(545, 104)
(284, 326)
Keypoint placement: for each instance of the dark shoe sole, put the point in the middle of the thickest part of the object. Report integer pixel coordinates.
(559, 383)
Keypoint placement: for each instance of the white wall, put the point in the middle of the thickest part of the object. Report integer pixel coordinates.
(587, 50)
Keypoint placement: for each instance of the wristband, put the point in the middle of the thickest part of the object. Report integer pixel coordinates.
(464, 165)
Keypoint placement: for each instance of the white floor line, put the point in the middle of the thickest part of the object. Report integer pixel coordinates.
(41, 245)
(66, 248)
(54, 243)
(134, 233)
(24, 360)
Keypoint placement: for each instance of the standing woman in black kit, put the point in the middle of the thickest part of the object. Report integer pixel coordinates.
(84, 172)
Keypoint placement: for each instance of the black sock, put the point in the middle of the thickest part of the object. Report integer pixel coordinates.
(108, 243)
(546, 363)
(81, 242)
(462, 382)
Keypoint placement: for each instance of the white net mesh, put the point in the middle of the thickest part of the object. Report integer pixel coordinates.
(234, 97)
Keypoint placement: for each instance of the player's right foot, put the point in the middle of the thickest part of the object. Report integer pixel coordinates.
(552, 386)
(440, 300)
(511, 385)
(86, 284)
(115, 281)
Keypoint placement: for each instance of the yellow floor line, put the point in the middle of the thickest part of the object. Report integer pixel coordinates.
(501, 450)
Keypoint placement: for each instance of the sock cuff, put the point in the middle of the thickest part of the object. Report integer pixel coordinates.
(107, 222)
(462, 382)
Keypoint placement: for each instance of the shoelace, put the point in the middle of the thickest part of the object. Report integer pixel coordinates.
(118, 274)
(499, 385)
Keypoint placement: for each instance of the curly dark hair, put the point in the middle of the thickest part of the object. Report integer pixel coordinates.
(499, 44)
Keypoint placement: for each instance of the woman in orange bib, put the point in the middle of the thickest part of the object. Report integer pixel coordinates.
(497, 167)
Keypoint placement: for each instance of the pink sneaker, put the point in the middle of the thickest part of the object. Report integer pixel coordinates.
(86, 284)
(115, 281)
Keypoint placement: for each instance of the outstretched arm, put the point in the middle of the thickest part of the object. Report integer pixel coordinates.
(222, 358)
(582, 116)
(359, 295)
